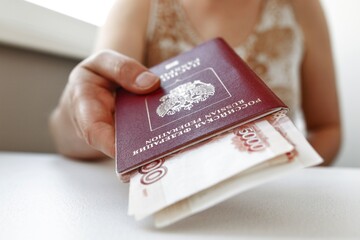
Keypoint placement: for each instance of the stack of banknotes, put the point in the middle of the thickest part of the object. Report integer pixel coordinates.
(203, 175)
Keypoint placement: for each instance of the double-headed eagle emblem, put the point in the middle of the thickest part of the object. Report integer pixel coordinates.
(184, 97)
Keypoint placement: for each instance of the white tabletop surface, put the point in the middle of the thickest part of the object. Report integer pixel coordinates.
(45, 196)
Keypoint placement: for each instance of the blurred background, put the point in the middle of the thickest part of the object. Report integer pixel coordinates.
(41, 41)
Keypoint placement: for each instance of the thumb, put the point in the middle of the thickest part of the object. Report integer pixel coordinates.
(122, 70)
(145, 82)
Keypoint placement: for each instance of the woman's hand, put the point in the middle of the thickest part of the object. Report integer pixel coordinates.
(83, 124)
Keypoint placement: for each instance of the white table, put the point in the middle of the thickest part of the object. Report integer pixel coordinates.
(44, 196)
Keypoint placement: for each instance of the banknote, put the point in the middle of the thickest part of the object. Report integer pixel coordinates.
(302, 156)
(168, 181)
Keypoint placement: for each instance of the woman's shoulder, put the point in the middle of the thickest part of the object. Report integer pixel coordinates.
(310, 15)
(125, 27)
(307, 10)
(134, 9)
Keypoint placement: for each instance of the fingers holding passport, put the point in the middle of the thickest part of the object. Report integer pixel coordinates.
(123, 71)
(89, 98)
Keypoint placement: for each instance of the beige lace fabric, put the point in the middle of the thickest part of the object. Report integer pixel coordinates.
(274, 50)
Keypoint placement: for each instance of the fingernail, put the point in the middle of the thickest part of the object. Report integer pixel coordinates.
(146, 80)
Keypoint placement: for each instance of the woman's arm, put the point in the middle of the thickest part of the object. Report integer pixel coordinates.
(319, 94)
(82, 124)
(125, 29)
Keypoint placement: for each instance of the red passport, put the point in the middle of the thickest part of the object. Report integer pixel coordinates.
(204, 92)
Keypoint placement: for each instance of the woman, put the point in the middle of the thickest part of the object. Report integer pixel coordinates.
(286, 42)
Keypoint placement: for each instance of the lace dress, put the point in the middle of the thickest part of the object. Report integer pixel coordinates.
(274, 49)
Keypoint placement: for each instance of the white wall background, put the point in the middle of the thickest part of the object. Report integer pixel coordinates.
(344, 20)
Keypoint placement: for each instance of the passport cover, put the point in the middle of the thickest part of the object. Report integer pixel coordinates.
(204, 92)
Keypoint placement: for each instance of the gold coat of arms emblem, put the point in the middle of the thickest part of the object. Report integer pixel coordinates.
(184, 96)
